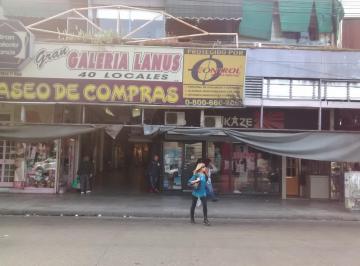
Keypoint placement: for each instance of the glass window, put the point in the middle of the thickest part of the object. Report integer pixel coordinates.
(304, 89)
(124, 21)
(41, 164)
(354, 91)
(172, 165)
(336, 90)
(279, 88)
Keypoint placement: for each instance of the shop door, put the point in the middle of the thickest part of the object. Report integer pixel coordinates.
(7, 163)
(192, 153)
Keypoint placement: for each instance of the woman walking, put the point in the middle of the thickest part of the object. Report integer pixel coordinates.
(198, 183)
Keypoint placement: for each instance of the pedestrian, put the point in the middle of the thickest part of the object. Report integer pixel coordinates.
(210, 169)
(85, 172)
(198, 183)
(154, 173)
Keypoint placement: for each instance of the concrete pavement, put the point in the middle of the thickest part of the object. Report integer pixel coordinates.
(82, 241)
(170, 206)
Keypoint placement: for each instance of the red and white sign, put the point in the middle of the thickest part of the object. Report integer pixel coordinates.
(77, 61)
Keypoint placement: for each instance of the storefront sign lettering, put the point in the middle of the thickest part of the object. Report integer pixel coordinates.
(44, 56)
(95, 91)
(239, 122)
(129, 74)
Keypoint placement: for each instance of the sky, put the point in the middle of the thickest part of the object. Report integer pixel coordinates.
(352, 8)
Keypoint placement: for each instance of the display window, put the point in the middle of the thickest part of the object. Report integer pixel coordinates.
(173, 152)
(41, 164)
(254, 171)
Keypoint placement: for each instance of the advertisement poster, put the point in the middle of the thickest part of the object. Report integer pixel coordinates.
(78, 73)
(213, 76)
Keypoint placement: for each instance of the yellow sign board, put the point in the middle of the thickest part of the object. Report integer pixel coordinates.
(213, 76)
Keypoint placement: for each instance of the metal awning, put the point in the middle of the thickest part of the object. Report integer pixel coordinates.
(192, 9)
(311, 145)
(42, 132)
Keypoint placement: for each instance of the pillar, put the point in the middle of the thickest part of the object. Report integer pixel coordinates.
(332, 119)
(202, 118)
(283, 177)
(23, 114)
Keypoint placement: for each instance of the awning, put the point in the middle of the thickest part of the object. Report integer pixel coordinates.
(320, 146)
(257, 19)
(324, 12)
(42, 132)
(343, 147)
(192, 9)
(295, 15)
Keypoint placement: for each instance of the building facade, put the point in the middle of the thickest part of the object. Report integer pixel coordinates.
(270, 71)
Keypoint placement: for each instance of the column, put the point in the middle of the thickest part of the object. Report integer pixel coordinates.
(283, 177)
(332, 119)
(23, 114)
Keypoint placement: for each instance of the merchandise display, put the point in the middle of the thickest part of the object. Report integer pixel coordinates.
(41, 165)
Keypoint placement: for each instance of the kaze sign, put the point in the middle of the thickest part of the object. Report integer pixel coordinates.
(77, 73)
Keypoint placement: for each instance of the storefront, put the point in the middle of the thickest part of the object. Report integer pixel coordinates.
(38, 158)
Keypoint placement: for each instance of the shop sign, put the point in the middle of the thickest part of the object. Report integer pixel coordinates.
(238, 122)
(90, 91)
(79, 73)
(214, 76)
(15, 42)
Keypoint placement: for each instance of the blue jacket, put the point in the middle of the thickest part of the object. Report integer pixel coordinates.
(200, 191)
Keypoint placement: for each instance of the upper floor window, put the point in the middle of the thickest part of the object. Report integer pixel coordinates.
(291, 89)
(143, 24)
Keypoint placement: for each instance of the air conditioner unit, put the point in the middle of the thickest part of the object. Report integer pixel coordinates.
(175, 118)
(213, 121)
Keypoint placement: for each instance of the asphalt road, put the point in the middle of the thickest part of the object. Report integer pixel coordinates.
(48, 241)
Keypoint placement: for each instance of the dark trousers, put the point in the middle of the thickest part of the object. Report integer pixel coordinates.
(193, 205)
(84, 183)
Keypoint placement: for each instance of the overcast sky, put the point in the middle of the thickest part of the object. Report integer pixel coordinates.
(352, 8)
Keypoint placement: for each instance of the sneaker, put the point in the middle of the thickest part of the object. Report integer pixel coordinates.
(192, 221)
(82, 193)
(88, 191)
(206, 222)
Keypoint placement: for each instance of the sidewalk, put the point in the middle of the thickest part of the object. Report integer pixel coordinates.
(171, 206)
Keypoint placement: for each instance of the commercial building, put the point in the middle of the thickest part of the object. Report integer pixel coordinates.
(202, 77)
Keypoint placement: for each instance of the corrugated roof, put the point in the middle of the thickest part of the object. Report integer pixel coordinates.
(205, 9)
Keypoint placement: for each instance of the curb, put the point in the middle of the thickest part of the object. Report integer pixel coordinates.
(134, 214)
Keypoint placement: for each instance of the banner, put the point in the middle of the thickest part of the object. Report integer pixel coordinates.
(213, 76)
(78, 73)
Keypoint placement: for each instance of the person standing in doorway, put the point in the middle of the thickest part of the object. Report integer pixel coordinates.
(198, 183)
(85, 171)
(209, 170)
(154, 173)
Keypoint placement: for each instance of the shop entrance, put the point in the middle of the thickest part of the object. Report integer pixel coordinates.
(7, 163)
(125, 164)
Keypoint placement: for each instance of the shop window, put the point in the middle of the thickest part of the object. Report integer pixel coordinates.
(113, 115)
(336, 90)
(39, 113)
(291, 167)
(41, 164)
(173, 166)
(291, 89)
(124, 21)
(7, 161)
(354, 91)
(277, 88)
(304, 89)
(67, 114)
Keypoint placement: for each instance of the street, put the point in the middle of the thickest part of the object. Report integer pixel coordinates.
(37, 241)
